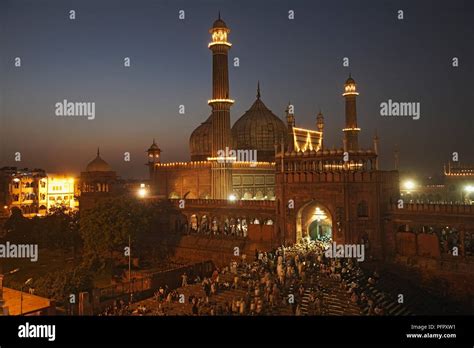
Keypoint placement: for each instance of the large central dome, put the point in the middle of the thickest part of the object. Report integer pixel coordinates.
(259, 129)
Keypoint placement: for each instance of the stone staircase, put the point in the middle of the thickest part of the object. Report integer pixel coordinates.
(383, 294)
(335, 300)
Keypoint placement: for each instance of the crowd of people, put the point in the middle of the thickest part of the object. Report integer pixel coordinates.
(286, 281)
(118, 308)
(229, 227)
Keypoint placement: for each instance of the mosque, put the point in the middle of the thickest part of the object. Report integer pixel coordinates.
(295, 187)
(209, 175)
(316, 192)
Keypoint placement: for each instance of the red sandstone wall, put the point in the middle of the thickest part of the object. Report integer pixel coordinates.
(428, 245)
(406, 243)
(196, 181)
(261, 233)
(195, 248)
(411, 244)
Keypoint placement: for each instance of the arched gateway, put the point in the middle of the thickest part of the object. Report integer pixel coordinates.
(314, 221)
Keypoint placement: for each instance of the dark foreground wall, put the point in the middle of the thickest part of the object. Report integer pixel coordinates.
(220, 250)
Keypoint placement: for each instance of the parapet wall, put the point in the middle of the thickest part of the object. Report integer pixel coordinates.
(224, 203)
(434, 208)
(337, 177)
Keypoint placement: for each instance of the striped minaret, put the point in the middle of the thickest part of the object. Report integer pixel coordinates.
(220, 104)
(351, 131)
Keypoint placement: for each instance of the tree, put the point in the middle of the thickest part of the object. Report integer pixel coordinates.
(58, 230)
(60, 285)
(107, 227)
(17, 227)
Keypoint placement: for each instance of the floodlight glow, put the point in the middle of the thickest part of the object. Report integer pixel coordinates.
(469, 188)
(409, 185)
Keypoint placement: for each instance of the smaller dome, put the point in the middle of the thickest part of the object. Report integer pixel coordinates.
(350, 80)
(219, 23)
(98, 165)
(153, 146)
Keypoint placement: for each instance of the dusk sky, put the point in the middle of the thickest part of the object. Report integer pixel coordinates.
(300, 60)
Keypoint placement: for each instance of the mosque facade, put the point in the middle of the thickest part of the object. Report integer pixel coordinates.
(314, 192)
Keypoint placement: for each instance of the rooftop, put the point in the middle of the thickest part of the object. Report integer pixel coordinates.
(31, 303)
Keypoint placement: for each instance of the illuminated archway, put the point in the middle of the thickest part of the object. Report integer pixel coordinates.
(314, 221)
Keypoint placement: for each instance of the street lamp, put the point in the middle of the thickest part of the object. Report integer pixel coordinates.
(28, 282)
(142, 191)
(12, 271)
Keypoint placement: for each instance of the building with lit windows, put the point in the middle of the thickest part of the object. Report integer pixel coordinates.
(24, 189)
(455, 185)
(459, 182)
(35, 192)
(62, 191)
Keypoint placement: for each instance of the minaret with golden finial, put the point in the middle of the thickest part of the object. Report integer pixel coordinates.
(351, 131)
(220, 104)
